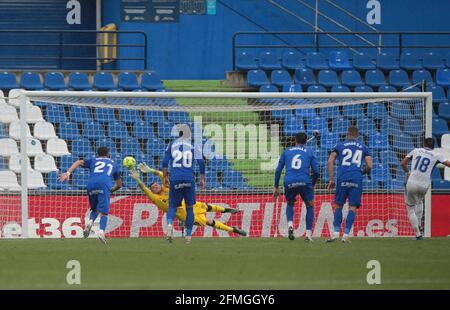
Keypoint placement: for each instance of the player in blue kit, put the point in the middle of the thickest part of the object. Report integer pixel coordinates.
(299, 162)
(103, 172)
(179, 157)
(349, 155)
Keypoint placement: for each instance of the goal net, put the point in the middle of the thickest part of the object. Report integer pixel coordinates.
(241, 136)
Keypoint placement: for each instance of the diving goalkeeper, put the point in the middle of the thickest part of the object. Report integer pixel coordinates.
(159, 195)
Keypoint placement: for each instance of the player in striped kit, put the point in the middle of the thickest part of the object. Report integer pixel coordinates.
(423, 160)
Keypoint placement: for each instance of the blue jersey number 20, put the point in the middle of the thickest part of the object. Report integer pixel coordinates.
(182, 159)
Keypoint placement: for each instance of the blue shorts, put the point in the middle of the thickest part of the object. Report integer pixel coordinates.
(348, 189)
(99, 195)
(305, 190)
(180, 190)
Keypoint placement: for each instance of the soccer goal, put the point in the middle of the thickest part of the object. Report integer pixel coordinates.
(241, 136)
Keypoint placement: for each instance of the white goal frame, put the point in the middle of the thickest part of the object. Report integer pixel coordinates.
(23, 94)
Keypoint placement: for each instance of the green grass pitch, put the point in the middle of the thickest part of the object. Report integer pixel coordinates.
(215, 263)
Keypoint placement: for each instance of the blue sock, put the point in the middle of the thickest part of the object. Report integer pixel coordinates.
(103, 221)
(337, 219)
(171, 215)
(290, 212)
(189, 221)
(309, 217)
(349, 221)
(93, 215)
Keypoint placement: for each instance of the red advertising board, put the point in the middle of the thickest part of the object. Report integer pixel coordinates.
(135, 216)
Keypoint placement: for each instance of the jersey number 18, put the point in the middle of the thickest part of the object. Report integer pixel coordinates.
(422, 164)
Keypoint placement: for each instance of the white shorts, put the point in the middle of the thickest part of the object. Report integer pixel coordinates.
(415, 193)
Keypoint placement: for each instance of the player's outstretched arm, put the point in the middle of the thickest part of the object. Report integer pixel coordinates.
(66, 175)
(330, 166)
(404, 163)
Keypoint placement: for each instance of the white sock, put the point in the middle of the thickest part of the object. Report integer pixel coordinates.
(419, 213)
(101, 232)
(308, 233)
(91, 222)
(344, 236)
(336, 234)
(290, 224)
(413, 220)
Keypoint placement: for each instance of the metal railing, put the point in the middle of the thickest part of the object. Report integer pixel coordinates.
(397, 41)
(22, 39)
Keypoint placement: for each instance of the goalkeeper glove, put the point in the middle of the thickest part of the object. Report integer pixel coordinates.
(145, 169)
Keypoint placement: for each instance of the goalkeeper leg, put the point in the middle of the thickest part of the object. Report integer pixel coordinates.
(216, 208)
(222, 226)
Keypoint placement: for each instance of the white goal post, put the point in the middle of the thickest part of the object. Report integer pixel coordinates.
(243, 182)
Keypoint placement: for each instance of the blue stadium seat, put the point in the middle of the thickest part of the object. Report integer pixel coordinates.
(143, 130)
(375, 78)
(439, 126)
(104, 81)
(246, 61)
(390, 126)
(281, 114)
(130, 116)
(340, 89)
(328, 78)
(389, 157)
(155, 147)
(340, 125)
(328, 140)
(422, 75)
(366, 126)
(351, 78)
(54, 113)
(316, 61)
(93, 130)
(54, 81)
(257, 78)
(370, 185)
(30, 81)
(211, 181)
(436, 174)
(305, 113)
(441, 185)
(317, 124)
(316, 89)
(376, 111)
(378, 141)
(67, 161)
(444, 110)
(443, 77)
(151, 81)
(398, 78)
(268, 89)
(8, 81)
(127, 81)
(130, 146)
(165, 130)
(353, 111)
(269, 61)
(338, 60)
(79, 81)
(54, 183)
(109, 143)
(178, 117)
(387, 89)
(438, 93)
(117, 130)
(401, 110)
(69, 131)
(410, 61)
(281, 78)
(293, 88)
(80, 178)
(80, 114)
(413, 127)
(82, 148)
(304, 76)
(432, 61)
(363, 89)
(104, 115)
(387, 61)
(292, 60)
(362, 61)
(293, 125)
(381, 173)
(402, 142)
(154, 116)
